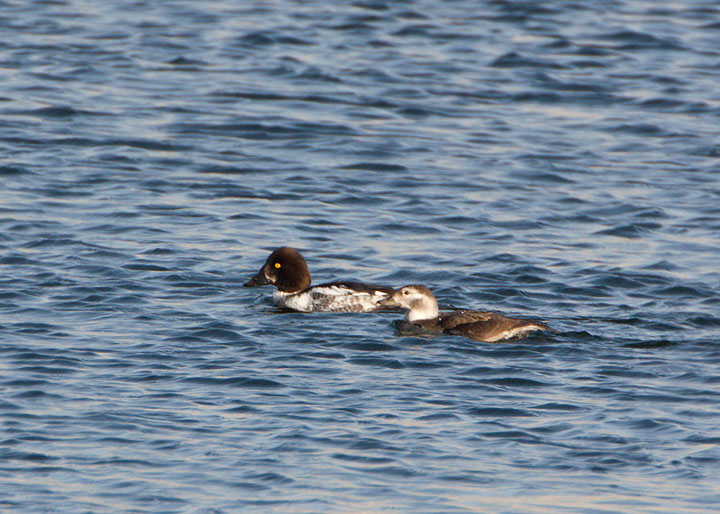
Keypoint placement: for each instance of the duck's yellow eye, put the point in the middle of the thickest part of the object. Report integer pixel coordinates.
(278, 265)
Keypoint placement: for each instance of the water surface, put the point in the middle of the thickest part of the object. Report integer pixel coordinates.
(553, 161)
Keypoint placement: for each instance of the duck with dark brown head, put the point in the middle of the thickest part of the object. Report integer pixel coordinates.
(287, 270)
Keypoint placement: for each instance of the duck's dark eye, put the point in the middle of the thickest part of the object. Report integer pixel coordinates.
(278, 265)
(406, 292)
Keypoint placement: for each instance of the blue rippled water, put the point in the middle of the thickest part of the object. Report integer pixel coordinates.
(555, 160)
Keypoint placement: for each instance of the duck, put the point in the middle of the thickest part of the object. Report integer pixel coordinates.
(482, 326)
(287, 270)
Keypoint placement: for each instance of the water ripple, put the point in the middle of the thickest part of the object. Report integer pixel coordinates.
(553, 161)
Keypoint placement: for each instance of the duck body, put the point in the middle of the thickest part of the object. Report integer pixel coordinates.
(287, 270)
(479, 325)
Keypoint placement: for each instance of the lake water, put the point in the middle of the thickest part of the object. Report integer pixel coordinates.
(552, 160)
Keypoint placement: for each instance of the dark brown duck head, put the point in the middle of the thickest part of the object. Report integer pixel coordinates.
(286, 269)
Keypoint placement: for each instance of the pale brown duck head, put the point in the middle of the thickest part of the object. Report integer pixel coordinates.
(419, 301)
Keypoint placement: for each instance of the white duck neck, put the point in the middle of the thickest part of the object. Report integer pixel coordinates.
(426, 308)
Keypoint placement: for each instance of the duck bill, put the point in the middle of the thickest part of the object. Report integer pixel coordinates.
(388, 303)
(258, 280)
